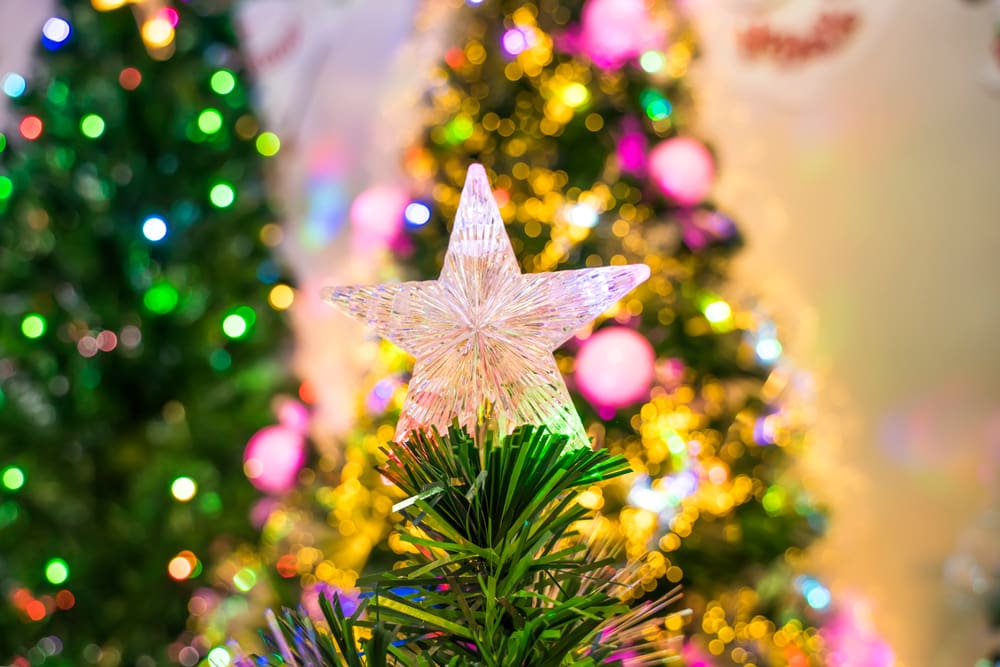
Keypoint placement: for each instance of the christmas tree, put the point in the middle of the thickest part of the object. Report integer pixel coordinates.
(581, 114)
(138, 347)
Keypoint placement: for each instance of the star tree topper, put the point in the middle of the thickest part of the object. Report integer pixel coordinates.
(483, 331)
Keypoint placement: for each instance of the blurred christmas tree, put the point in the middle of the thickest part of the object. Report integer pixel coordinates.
(581, 114)
(138, 347)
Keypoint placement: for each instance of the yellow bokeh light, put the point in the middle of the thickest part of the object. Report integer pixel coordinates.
(574, 94)
(106, 5)
(157, 32)
(281, 297)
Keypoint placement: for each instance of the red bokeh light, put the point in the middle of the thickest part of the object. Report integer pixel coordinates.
(130, 78)
(31, 127)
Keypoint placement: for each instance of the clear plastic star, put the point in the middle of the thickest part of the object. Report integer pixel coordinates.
(483, 331)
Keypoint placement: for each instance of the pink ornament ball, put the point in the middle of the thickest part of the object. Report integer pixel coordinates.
(273, 457)
(377, 213)
(683, 169)
(615, 367)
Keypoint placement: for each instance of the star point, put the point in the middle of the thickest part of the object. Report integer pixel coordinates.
(483, 331)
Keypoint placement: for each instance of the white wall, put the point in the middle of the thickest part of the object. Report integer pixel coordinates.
(871, 204)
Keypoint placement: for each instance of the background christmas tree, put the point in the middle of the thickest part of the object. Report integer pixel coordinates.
(582, 115)
(138, 347)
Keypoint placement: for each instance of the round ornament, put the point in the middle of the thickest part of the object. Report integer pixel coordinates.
(615, 367)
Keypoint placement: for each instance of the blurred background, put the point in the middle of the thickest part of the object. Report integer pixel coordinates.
(856, 145)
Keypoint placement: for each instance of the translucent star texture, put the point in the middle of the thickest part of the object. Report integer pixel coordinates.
(483, 331)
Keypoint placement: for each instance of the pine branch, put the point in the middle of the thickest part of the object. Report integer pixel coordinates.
(500, 577)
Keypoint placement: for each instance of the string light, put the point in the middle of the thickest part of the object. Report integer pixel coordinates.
(237, 323)
(161, 298)
(183, 489)
(154, 228)
(12, 478)
(417, 214)
(718, 311)
(33, 325)
(182, 566)
(223, 82)
(56, 571)
(14, 85)
(652, 61)
(281, 297)
(768, 349)
(30, 127)
(222, 195)
(92, 126)
(210, 121)
(55, 32)
(268, 144)
(157, 32)
(129, 78)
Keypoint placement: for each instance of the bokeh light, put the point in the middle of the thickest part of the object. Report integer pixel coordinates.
(129, 78)
(161, 298)
(154, 228)
(55, 32)
(183, 489)
(575, 94)
(768, 349)
(245, 579)
(268, 144)
(222, 82)
(33, 325)
(218, 657)
(417, 214)
(6, 187)
(222, 195)
(12, 478)
(30, 127)
(182, 566)
(652, 61)
(281, 297)
(14, 85)
(92, 126)
(56, 571)
(157, 32)
(718, 311)
(210, 121)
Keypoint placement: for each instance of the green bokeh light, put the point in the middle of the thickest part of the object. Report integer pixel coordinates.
(56, 571)
(210, 121)
(92, 126)
(12, 478)
(718, 311)
(33, 325)
(459, 129)
(3, 142)
(222, 195)
(161, 298)
(774, 500)
(220, 360)
(6, 187)
(223, 82)
(245, 579)
(234, 326)
(268, 144)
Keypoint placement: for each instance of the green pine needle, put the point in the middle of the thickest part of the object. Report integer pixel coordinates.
(501, 577)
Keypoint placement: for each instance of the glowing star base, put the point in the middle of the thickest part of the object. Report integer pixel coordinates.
(483, 331)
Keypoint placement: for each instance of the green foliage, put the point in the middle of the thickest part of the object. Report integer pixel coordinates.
(131, 382)
(499, 575)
